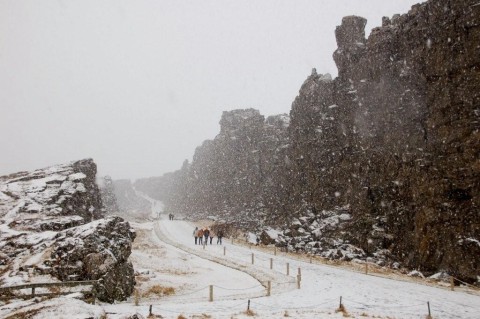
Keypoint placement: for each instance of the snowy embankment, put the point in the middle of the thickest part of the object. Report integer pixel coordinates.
(321, 287)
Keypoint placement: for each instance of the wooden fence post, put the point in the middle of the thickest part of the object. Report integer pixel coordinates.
(224, 250)
(299, 278)
(253, 258)
(275, 251)
(137, 297)
(452, 283)
(271, 263)
(33, 292)
(211, 294)
(288, 269)
(269, 288)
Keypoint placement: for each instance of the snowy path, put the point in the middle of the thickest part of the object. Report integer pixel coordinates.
(321, 286)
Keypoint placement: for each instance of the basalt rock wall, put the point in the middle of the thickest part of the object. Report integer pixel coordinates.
(393, 140)
(396, 135)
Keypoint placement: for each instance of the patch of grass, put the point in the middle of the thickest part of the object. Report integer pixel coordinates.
(141, 278)
(55, 289)
(250, 313)
(24, 315)
(159, 291)
(343, 310)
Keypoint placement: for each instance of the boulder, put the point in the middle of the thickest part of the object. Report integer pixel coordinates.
(96, 251)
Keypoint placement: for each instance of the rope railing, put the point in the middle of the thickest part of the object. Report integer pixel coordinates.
(238, 289)
(315, 259)
(317, 306)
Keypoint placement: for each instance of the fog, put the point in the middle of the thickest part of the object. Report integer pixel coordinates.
(137, 85)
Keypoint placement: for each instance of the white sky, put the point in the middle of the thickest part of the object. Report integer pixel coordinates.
(137, 85)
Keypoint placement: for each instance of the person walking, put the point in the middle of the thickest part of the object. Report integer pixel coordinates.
(219, 237)
(195, 231)
(200, 236)
(206, 233)
(211, 236)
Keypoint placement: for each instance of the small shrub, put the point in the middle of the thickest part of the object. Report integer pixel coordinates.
(159, 291)
(181, 317)
(250, 313)
(343, 311)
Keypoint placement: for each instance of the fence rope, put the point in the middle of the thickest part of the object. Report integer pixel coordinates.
(191, 293)
(249, 288)
(295, 308)
(371, 306)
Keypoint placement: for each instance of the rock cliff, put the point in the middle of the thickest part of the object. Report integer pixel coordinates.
(52, 228)
(393, 142)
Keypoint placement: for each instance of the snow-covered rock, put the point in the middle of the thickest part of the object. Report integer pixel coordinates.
(51, 226)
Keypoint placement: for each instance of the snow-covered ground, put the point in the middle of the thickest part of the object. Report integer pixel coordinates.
(165, 254)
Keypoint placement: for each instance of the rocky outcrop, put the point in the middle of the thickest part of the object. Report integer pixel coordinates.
(35, 200)
(96, 251)
(51, 224)
(399, 127)
(395, 138)
(238, 175)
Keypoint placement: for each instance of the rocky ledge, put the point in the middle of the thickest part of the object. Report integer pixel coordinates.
(52, 228)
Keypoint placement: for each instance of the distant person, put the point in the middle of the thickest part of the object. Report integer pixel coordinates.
(206, 233)
(200, 236)
(219, 237)
(211, 235)
(195, 231)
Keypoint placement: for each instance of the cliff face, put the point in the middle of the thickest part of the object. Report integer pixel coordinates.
(392, 142)
(396, 135)
(51, 223)
(238, 175)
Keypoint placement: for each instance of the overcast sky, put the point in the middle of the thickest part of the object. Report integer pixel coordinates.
(137, 85)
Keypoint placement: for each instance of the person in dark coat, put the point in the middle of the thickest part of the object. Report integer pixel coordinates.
(206, 233)
(211, 235)
(195, 232)
(219, 237)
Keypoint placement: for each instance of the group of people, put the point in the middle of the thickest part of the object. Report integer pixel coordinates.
(170, 216)
(203, 235)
